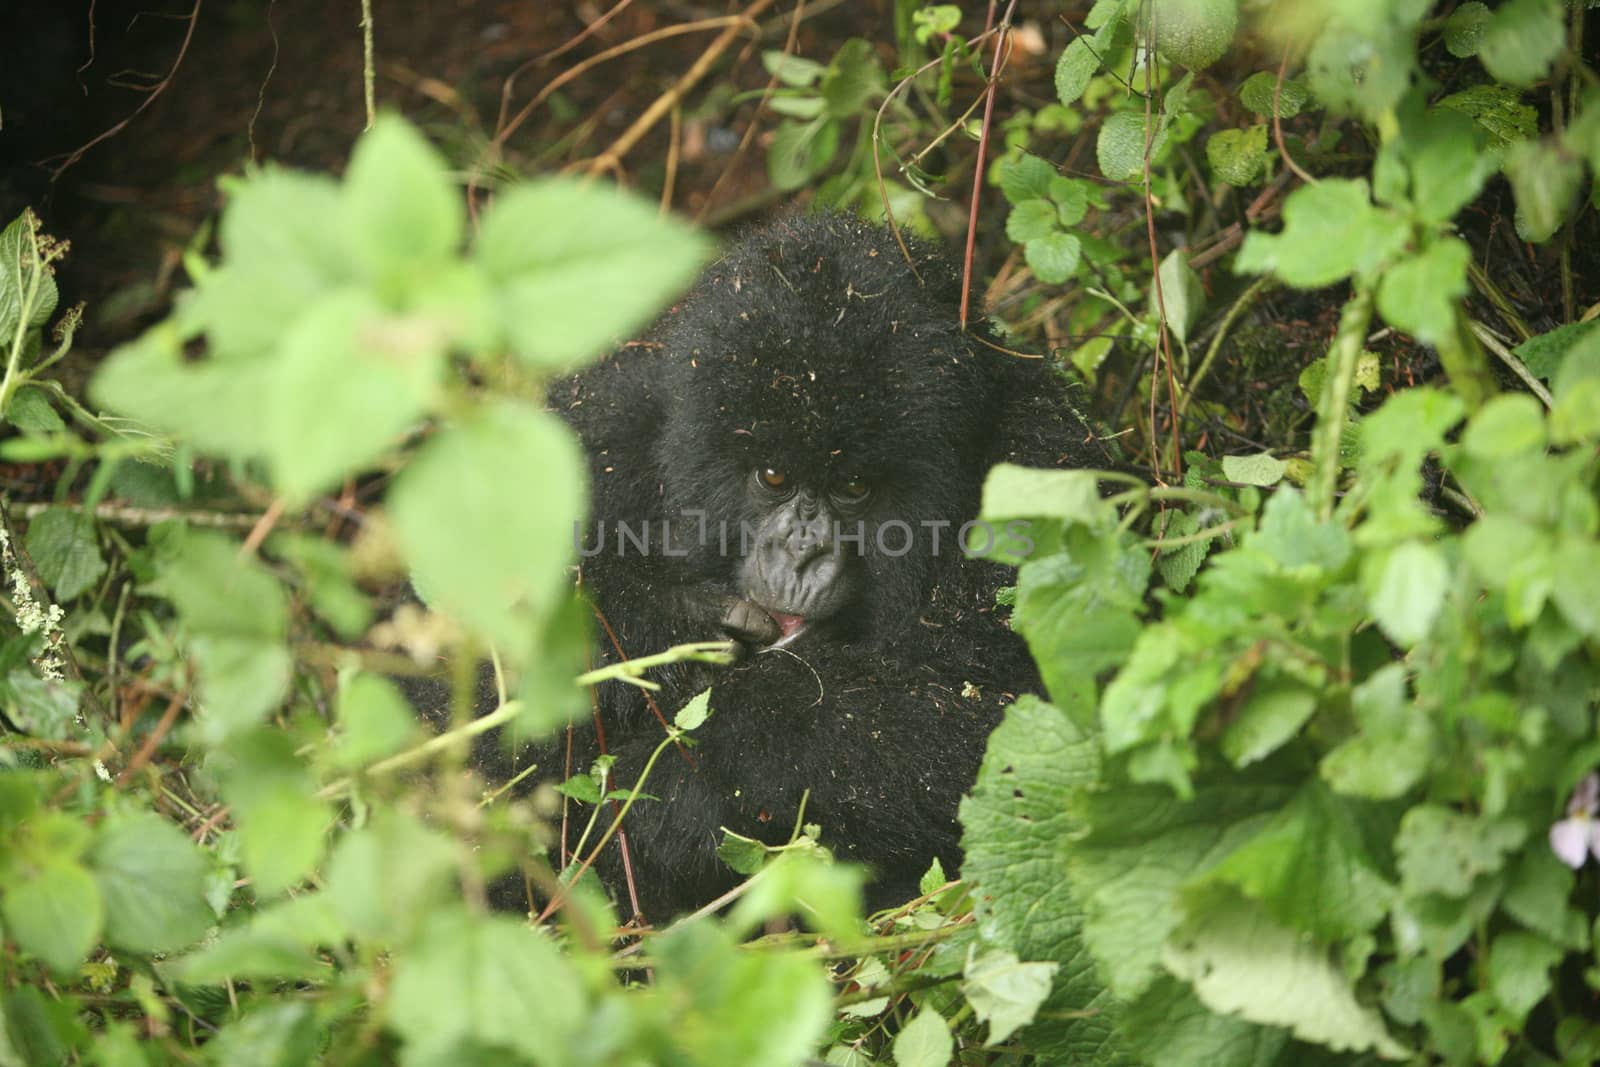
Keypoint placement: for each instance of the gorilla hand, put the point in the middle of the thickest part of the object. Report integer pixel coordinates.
(749, 625)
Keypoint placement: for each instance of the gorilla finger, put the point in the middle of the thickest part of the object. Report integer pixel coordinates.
(748, 624)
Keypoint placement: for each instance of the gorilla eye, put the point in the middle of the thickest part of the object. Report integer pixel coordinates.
(854, 490)
(773, 478)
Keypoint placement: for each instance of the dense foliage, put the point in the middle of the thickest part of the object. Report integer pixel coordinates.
(1316, 779)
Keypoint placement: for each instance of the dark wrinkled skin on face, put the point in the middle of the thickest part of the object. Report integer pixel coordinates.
(812, 393)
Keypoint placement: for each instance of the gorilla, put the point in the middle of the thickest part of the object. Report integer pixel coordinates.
(788, 461)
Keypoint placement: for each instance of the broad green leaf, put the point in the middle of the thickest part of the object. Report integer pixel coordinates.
(1519, 970)
(1031, 219)
(1577, 591)
(284, 1033)
(577, 265)
(403, 208)
(1237, 156)
(1331, 231)
(1078, 64)
(30, 412)
(65, 550)
(925, 1041)
(487, 515)
(1463, 30)
(1271, 716)
(236, 618)
(490, 980)
(1545, 352)
(1309, 866)
(1168, 1025)
(349, 380)
(1193, 33)
(1054, 257)
(1409, 425)
(1017, 833)
(1120, 147)
(1361, 67)
(1442, 851)
(1182, 294)
(797, 72)
(374, 721)
(1521, 39)
(280, 941)
(54, 911)
(282, 825)
(852, 79)
(1406, 587)
(153, 881)
(1394, 748)
(1258, 90)
(694, 713)
(1420, 293)
(1012, 492)
(1499, 111)
(800, 151)
(1294, 537)
(384, 879)
(214, 405)
(1262, 468)
(19, 272)
(1539, 897)
(1025, 178)
(1546, 181)
(1508, 425)
(1441, 153)
(1071, 197)
(1005, 992)
(1241, 962)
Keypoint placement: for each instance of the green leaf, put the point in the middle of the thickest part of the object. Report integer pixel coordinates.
(1182, 293)
(1078, 64)
(1577, 593)
(1013, 492)
(1258, 90)
(1394, 748)
(1054, 257)
(65, 551)
(279, 941)
(1362, 66)
(1545, 352)
(1519, 971)
(1441, 153)
(1025, 178)
(374, 721)
(852, 79)
(1443, 851)
(1241, 962)
(577, 265)
(54, 911)
(1193, 33)
(349, 380)
(925, 1041)
(402, 206)
(282, 825)
(276, 1034)
(153, 880)
(1237, 156)
(19, 271)
(1522, 39)
(1331, 231)
(1071, 197)
(694, 713)
(800, 151)
(1539, 897)
(794, 71)
(1463, 30)
(1005, 992)
(1499, 111)
(386, 878)
(1309, 866)
(488, 980)
(487, 513)
(1031, 219)
(1546, 181)
(1271, 716)
(1017, 832)
(1406, 587)
(1409, 425)
(1262, 469)
(1420, 293)
(30, 412)
(1510, 424)
(236, 618)
(1120, 147)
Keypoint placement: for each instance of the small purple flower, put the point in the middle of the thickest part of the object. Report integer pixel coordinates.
(1574, 838)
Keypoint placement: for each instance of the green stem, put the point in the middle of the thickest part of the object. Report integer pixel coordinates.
(1332, 406)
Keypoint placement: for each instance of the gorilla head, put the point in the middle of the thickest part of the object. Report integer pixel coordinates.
(801, 440)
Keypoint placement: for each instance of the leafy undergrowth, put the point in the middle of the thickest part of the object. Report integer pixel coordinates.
(1315, 781)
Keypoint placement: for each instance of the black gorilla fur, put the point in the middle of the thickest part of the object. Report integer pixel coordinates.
(812, 352)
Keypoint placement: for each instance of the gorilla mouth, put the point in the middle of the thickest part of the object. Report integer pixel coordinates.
(789, 626)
